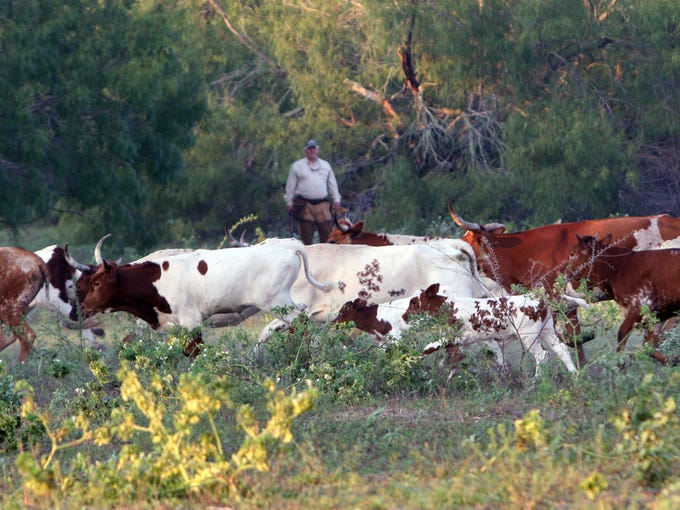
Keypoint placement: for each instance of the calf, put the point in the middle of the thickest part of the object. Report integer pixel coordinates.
(479, 320)
(23, 275)
(634, 279)
(185, 289)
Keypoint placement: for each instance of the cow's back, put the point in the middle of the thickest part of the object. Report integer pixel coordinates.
(649, 276)
(381, 274)
(206, 282)
(24, 274)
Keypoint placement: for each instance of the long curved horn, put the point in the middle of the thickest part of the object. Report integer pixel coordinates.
(241, 243)
(474, 227)
(98, 250)
(72, 262)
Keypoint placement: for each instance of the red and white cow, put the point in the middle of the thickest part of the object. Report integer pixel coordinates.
(23, 275)
(61, 294)
(634, 279)
(185, 289)
(381, 274)
(536, 257)
(346, 232)
(486, 320)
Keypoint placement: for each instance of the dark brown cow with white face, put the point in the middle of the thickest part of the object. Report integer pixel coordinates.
(634, 279)
(23, 275)
(61, 292)
(536, 257)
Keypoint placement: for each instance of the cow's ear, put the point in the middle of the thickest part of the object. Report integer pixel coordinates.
(110, 269)
(432, 290)
(606, 240)
(494, 228)
(357, 228)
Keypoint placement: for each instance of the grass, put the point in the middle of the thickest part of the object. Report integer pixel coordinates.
(389, 429)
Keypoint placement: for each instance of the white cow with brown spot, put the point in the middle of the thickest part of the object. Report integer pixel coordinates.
(381, 274)
(487, 320)
(185, 289)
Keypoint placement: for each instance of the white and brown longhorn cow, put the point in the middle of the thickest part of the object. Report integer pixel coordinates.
(381, 274)
(61, 292)
(487, 320)
(23, 275)
(185, 289)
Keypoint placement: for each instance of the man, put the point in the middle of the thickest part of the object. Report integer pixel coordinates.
(310, 182)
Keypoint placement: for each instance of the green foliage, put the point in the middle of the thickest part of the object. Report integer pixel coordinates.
(139, 426)
(10, 414)
(107, 99)
(164, 123)
(349, 367)
(186, 456)
(647, 425)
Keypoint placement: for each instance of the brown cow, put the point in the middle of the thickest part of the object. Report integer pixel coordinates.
(535, 257)
(634, 279)
(346, 232)
(23, 275)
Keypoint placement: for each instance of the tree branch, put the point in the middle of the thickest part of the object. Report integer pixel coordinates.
(371, 95)
(242, 38)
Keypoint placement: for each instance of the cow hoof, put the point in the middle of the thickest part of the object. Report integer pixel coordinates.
(98, 332)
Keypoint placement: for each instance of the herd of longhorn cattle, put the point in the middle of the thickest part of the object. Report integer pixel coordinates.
(379, 282)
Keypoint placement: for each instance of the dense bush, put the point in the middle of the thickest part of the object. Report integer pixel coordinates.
(138, 425)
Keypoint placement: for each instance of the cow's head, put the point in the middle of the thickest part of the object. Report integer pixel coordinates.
(364, 317)
(81, 274)
(427, 302)
(476, 235)
(101, 288)
(97, 289)
(588, 249)
(345, 231)
(585, 259)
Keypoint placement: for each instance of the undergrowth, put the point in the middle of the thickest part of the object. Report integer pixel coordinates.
(322, 416)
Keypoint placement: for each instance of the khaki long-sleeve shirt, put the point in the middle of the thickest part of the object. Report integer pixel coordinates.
(314, 182)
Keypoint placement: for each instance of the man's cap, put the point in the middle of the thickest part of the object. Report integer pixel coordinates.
(311, 143)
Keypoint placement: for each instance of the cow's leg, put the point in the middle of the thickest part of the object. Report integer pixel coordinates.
(555, 344)
(574, 335)
(632, 317)
(23, 332)
(654, 337)
(7, 336)
(453, 357)
(194, 348)
(531, 343)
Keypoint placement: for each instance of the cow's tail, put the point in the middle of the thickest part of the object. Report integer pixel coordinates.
(326, 287)
(46, 279)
